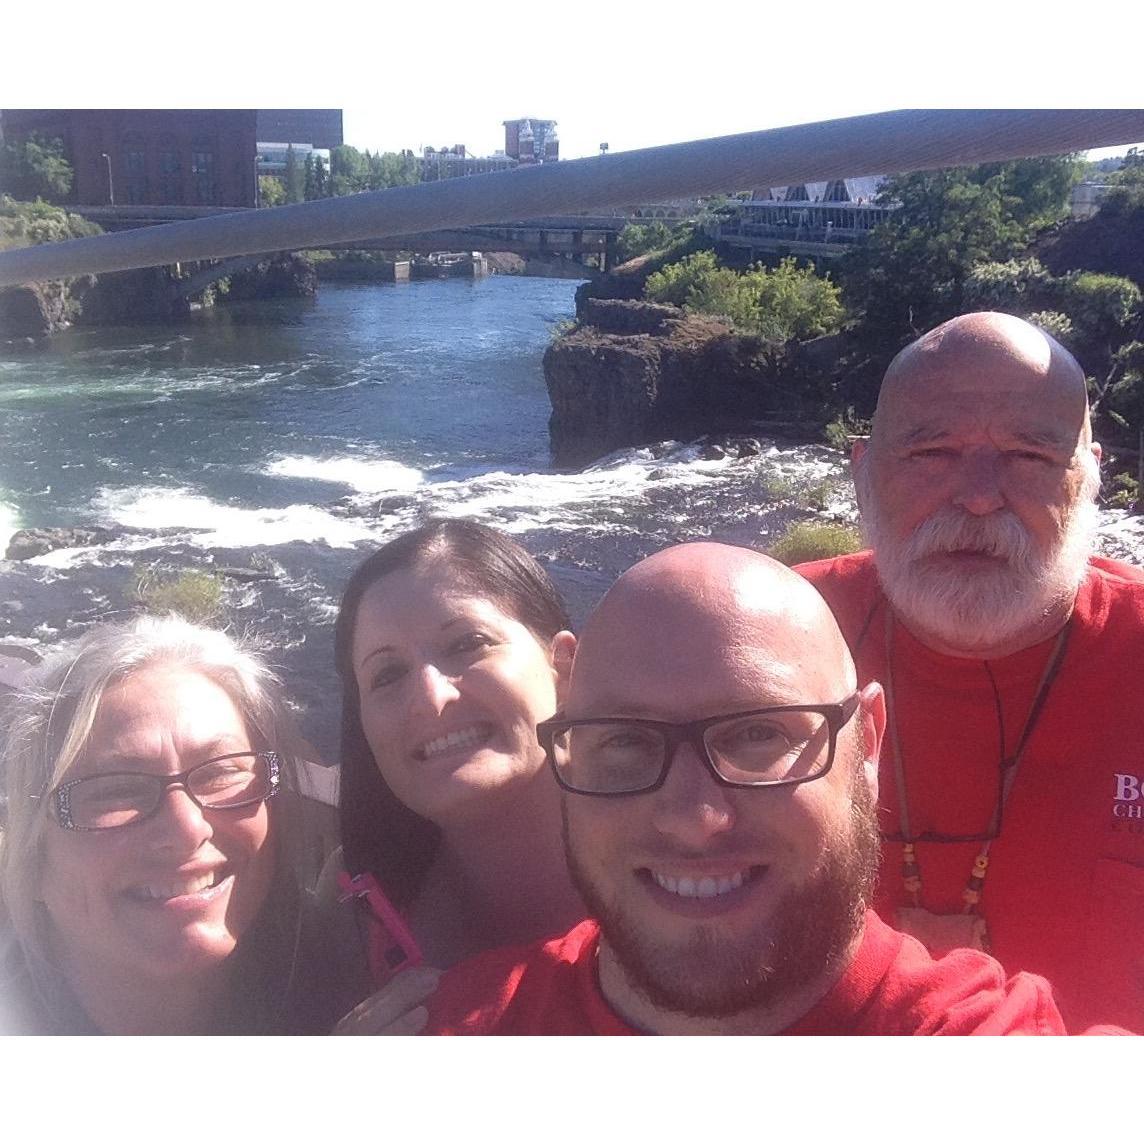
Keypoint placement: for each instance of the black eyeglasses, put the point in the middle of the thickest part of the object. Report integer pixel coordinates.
(766, 747)
(123, 798)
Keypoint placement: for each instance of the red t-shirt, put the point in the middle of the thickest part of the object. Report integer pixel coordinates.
(892, 987)
(1064, 893)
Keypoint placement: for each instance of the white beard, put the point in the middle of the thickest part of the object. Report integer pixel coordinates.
(985, 607)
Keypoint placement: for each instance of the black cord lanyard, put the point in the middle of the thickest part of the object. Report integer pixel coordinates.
(911, 871)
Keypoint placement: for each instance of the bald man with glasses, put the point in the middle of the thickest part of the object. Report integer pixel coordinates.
(718, 767)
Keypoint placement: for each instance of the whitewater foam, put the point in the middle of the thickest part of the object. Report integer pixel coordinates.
(365, 475)
(215, 525)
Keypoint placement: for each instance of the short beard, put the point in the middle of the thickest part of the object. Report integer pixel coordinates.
(988, 607)
(809, 932)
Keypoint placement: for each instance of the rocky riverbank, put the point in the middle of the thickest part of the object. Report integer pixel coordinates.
(632, 372)
(156, 294)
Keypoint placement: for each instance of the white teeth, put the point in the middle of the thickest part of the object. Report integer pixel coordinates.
(703, 888)
(469, 737)
(162, 892)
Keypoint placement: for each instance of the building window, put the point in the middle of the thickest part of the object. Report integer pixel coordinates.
(170, 170)
(135, 167)
(169, 155)
(203, 173)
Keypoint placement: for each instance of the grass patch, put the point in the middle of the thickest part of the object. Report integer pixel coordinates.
(1123, 492)
(815, 540)
(193, 594)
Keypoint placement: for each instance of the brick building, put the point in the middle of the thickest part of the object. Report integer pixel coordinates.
(189, 157)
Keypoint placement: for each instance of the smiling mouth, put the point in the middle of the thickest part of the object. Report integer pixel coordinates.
(475, 736)
(705, 887)
(166, 891)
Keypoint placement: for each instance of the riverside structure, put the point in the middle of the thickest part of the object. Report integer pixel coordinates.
(885, 143)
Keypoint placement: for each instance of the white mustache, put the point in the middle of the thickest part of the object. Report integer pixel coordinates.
(952, 530)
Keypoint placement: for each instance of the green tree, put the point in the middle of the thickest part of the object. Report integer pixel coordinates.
(642, 238)
(295, 178)
(391, 170)
(316, 181)
(35, 168)
(1127, 186)
(349, 171)
(912, 273)
(271, 191)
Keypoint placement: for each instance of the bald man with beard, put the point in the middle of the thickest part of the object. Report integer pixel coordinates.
(718, 766)
(1012, 805)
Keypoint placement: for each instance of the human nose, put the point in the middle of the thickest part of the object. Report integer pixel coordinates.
(434, 689)
(691, 807)
(180, 823)
(979, 477)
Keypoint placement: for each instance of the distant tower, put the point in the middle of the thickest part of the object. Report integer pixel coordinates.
(526, 142)
(531, 140)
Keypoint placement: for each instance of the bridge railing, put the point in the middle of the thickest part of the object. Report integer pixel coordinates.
(887, 143)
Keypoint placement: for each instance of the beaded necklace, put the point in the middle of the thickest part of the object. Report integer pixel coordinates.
(911, 869)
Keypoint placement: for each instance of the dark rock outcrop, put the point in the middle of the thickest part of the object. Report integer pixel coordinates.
(38, 309)
(129, 296)
(642, 373)
(626, 317)
(29, 542)
(284, 276)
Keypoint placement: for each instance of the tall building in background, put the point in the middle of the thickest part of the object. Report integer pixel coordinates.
(189, 157)
(320, 130)
(531, 141)
(175, 158)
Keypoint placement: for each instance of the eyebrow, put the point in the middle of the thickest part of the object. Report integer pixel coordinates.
(386, 649)
(1045, 438)
(922, 434)
(225, 744)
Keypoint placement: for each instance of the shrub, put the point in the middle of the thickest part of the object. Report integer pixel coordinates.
(840, 432)
(815, 540)
(778, 305)
(1004, 285)
(29, 224)
(1099, 305)
(1055, 324)
(1124, 491)
(194, 594)
(674, 282)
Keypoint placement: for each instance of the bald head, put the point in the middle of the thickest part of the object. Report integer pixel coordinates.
(977, 486)
(705, 628)
(989, 358)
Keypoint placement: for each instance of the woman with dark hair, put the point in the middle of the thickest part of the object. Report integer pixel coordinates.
(150, 849)
(452, 644)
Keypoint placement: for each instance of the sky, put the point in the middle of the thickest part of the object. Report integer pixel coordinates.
(629, 75)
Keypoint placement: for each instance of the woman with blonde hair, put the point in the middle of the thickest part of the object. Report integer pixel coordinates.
(148, 872)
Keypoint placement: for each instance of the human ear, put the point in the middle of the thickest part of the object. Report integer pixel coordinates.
(872, 713)
(562, 649)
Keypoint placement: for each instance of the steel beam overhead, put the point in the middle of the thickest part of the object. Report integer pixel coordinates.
(890, 142)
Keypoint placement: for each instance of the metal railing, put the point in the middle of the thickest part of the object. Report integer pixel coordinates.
(887, 143)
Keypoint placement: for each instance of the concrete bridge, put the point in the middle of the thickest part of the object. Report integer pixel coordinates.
(575, 238)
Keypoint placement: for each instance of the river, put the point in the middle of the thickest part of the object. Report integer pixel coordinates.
(290, 438)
